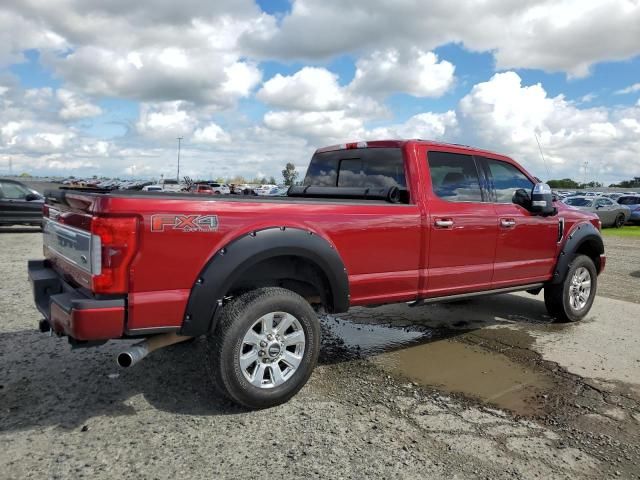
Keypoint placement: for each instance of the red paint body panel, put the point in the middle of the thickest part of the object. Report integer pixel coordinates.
(89, 324)
(151, 309)
(525, 252)
(392, 252)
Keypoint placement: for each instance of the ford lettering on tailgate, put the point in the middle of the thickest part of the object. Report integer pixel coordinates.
(72, 244)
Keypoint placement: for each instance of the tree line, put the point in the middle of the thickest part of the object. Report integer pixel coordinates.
(572, 184)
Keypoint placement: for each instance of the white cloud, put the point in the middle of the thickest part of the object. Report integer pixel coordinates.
(412, 71)
(630, 89)
(309, 89)
(503, 115)
(563, 35)
(162, 52)
(317, 127)
(166, 120)
(75, 107)
(427, 126)
(211, 134)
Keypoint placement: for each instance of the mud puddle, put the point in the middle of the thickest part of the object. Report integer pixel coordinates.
(429, 358)
(369, 340)
(458, 367)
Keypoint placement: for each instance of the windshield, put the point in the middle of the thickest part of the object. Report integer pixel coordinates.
(170, 182)
(578, 202)
(629, 200)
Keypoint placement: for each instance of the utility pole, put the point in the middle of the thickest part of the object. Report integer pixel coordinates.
(10, 166)
(179, 142)
(586, 166)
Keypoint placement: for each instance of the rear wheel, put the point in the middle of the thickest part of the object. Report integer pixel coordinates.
(264, 348)
(571, 300)
(619, 221)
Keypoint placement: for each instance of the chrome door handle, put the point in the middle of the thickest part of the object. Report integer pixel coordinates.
(507, 223)
(444, 223)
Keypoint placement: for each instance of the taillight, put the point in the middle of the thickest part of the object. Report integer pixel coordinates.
(114, 242)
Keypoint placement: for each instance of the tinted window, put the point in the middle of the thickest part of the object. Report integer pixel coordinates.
(454, 177)
(13, 191)
(578, 202)
(507, 179)
(629, 200)
(604, 202)
(365, 167)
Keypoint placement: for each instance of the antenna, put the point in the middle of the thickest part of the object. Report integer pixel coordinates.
(544, 161)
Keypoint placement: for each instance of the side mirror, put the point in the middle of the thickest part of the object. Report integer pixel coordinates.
(521, 197)
(32, 196)
(542, 200)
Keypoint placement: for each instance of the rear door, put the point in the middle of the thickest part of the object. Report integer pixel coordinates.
(527, 244)
(462, 227)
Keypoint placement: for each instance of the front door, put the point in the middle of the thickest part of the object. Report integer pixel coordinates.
(527, 244)
(461, 227)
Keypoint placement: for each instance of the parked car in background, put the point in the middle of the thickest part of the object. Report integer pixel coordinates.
(165, 185)
(19, 205)
(610, 213)
(633, 203)
(202, 188)
(220, 188)
(264, 189)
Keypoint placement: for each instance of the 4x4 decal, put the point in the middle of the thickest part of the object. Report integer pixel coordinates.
(184, 223)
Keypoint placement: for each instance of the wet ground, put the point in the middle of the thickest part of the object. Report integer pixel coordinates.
(486, 388)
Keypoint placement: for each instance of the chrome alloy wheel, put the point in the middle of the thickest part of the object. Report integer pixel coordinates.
(272, 349)
(580, 288)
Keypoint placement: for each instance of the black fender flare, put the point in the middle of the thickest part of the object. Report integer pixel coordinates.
(234, 259)
(580, 234)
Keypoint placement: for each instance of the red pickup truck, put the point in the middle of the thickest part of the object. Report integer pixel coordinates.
(373, 223)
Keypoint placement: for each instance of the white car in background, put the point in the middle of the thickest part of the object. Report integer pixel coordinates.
(265, 189)
(165, 185)
(220, 188)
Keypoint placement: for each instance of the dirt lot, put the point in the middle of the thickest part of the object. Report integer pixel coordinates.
(480, 389)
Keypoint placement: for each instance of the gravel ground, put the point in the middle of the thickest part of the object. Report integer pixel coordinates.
(72, 414)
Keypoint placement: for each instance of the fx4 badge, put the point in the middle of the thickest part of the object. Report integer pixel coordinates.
(184, 223)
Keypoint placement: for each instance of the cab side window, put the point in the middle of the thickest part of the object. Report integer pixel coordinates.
(454, 177)
(12, 191)
(506, 180)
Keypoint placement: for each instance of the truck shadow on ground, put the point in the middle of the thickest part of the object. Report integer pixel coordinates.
(45, 383)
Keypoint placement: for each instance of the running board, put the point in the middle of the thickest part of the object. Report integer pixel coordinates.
(462, 296)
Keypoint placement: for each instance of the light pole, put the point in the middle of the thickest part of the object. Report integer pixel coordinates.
(179, 142)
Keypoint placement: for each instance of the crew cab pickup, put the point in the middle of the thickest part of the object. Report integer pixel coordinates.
(373, 223)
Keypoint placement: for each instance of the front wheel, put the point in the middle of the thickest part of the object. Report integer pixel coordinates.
(264, 347)
(619, 221)
(571, 300)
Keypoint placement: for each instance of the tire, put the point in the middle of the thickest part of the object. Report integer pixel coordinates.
(563, 301)
(258, 385)
(619, 221)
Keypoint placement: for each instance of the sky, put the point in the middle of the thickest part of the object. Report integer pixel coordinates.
(94, 87)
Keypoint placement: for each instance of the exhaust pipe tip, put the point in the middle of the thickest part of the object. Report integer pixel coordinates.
(133, 355)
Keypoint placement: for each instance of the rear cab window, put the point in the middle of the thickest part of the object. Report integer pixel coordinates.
(363, 168)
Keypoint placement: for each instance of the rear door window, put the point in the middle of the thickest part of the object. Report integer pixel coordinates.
(365, 167)
(454, 177)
